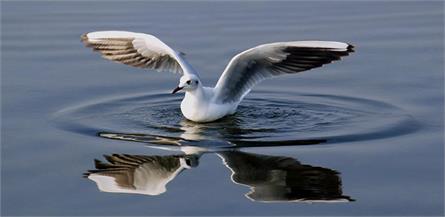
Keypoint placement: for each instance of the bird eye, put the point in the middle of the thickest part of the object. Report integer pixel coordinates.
(196, 82)
(188, 82)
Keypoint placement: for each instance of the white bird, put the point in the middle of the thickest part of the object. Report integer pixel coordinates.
(244, 71)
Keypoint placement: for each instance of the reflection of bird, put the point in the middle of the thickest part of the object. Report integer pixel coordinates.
(138, 174)
(278, 179)
(245, 70)
(271, 178)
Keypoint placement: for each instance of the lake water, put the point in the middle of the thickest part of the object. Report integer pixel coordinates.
(363, 136)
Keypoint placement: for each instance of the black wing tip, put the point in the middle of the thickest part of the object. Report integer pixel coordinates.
(350, 48)
(84, 40)
(87, 174)
(84, 37)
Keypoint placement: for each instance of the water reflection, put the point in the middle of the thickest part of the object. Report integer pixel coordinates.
(138, 174)
(283, 179)
(270, 178)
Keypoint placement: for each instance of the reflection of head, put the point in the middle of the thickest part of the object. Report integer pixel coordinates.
(138, 174)
(277, 179)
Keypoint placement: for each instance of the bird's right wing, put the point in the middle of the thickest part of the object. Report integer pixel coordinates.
(137, 49)
(256, 64)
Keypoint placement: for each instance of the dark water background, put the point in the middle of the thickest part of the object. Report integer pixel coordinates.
(378, 114)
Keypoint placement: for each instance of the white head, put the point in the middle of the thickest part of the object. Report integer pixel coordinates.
(188, 83)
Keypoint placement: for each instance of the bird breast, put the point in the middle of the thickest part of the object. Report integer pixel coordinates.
(199, 110)
(192, 109)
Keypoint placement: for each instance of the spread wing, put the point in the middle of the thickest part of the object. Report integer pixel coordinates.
(137, 174)
(137, 49)
(250, 67)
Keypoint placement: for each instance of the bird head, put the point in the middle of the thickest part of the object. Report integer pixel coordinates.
(187, 83)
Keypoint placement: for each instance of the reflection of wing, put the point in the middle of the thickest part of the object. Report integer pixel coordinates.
(137, 49)
(136, 174)
(275, 178)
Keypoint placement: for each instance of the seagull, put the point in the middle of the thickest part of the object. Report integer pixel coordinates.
(244, 71)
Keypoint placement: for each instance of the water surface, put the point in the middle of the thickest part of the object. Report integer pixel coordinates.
(84, 136)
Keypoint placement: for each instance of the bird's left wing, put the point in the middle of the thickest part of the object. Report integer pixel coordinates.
(256, 64)
(137, 49)
(137, 174)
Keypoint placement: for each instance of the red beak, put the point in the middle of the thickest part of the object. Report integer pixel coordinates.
(177, 89)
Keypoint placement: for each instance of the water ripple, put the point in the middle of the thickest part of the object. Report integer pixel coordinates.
(266, 118)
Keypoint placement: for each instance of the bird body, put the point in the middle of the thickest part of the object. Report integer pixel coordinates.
(209, 109)
(244, 71)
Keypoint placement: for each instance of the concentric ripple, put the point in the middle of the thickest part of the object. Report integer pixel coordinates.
(263, 118)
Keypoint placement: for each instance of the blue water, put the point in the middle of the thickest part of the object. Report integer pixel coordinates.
(366, 131)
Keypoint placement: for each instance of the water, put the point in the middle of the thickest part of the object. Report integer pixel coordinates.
(363, 136)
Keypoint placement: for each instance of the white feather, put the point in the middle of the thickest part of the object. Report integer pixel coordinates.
(147, 46)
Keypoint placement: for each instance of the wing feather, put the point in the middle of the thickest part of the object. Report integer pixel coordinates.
(134, 173)
(138, 50)
(252, 66)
